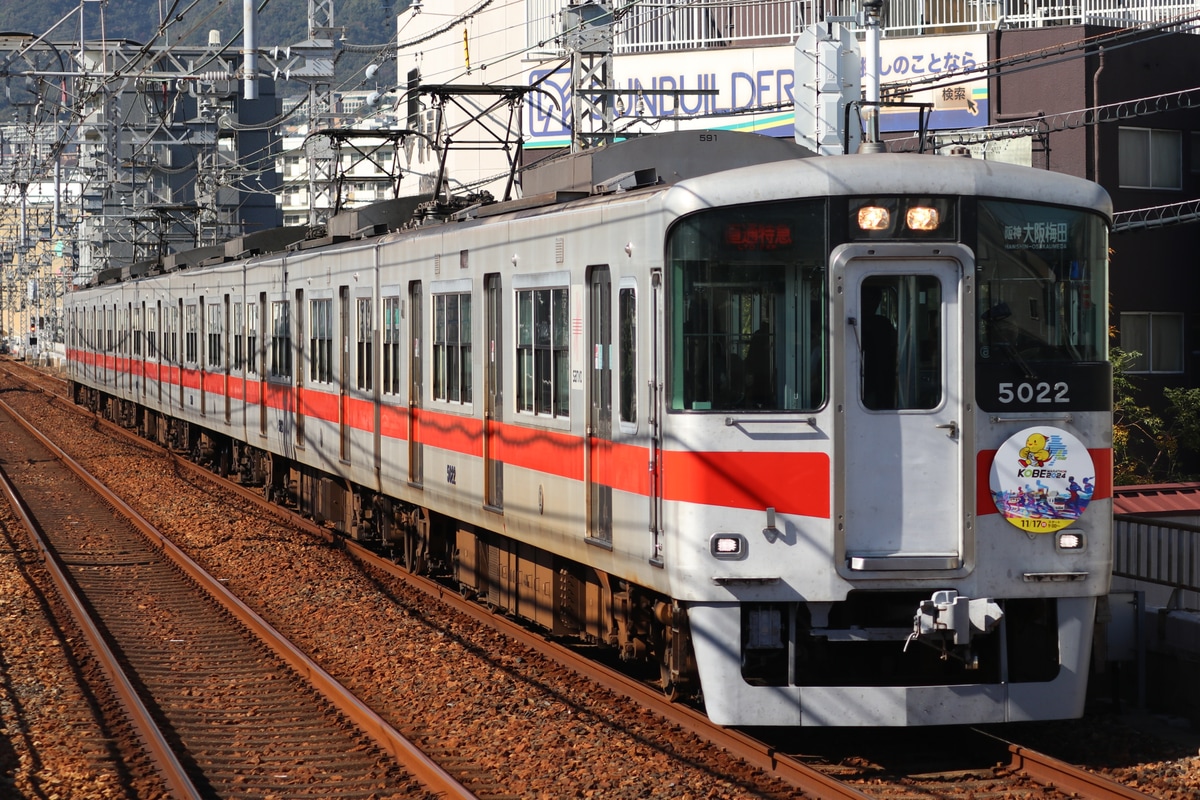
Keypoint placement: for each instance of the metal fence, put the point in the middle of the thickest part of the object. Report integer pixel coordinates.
(1167, 554)
(664, 25)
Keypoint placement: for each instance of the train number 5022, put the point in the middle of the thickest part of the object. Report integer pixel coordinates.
(1041, 392)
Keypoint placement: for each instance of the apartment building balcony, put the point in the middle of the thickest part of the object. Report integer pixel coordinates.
(666, 25)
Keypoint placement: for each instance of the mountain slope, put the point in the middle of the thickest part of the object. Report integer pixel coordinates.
(281, 22)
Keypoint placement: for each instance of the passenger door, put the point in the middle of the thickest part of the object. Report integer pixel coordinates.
(599, 438)
(415, 384)
(493, 407)
(343, 373)
(903, 458)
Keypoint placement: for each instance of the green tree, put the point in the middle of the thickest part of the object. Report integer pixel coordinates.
(1183, 413)
(1140, 442)
(1149, 447)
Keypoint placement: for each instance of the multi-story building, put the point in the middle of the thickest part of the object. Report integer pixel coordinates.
(365, 166)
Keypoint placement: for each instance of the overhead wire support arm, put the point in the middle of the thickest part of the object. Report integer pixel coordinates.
(479, 115)
(366, 144)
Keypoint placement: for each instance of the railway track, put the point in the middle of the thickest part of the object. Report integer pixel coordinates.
(223, 712)
(1026, 774)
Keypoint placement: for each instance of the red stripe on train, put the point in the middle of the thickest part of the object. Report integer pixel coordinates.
(791, 483)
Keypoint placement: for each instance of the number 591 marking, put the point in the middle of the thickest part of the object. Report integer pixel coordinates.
(1041, 392)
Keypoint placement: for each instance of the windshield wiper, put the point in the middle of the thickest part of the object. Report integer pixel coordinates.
(1025, 368)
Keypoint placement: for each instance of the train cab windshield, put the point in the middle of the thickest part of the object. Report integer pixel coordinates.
(1041, 291)
(749, 306)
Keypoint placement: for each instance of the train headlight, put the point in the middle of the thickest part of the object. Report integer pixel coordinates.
(902, 218)
(1071, 540)
(922, 218)
(874, 218)
(728, 546)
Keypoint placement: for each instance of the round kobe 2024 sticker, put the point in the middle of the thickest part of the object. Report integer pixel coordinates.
(1042, 478)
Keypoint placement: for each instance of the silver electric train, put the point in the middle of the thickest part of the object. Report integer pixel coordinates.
(825, 441)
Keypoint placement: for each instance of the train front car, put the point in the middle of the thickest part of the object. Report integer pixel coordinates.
(886, 449)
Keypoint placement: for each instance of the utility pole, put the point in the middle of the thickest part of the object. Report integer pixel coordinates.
(311, 62)
(588, 36)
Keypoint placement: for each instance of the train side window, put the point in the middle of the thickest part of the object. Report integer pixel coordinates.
(627, 353)
(543, 352)
(123, 331)
(238, 335)
(281, 340)
(364, 372)
(391, 345)
(165, 321)
(137, 331)
(152, 332)
(252, 338)
(452, 347)
(191, 326)
(215, 333)
(320, 350)
(173, 336)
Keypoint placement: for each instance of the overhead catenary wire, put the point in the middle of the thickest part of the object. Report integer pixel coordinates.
(1005, 67)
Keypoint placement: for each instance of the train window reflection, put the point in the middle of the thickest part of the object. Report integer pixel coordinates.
(543, 352)
(901, 342)
(748, 308)
(1041, 283)
(627, 353)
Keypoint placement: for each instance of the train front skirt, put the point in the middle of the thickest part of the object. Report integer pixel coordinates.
(740, 702)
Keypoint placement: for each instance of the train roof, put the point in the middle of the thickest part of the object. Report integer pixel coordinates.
(901, 174)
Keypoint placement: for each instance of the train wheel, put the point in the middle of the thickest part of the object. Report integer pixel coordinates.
(414, 553)
(676, 663)
(223, 461)
(670, 687)
(415, 533)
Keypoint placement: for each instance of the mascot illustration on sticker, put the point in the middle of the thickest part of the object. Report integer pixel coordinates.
(1042, 479)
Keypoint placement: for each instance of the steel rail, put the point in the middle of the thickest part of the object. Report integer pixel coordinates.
(1070, 779)
(159, 750)
(422, 768)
